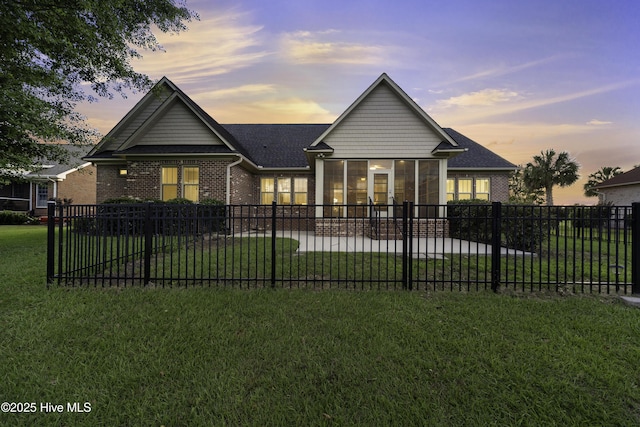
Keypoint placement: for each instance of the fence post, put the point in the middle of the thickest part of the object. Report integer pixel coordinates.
(496, 239)
(410, 248)
(148, 247)
(635, 248)
(273, 244)
(51, 240)
(405, 261)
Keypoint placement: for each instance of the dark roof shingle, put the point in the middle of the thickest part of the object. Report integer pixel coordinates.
(276, 145)
(476, 155)
(52, 168)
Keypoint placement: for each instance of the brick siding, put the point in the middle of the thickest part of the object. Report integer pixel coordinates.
(499, 181)
(79, 186)
(109, 183)
(143, 179)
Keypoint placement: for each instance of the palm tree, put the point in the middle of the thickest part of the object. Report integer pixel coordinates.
(601, 175)
(547, 170)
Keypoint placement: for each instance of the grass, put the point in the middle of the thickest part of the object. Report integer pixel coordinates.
(562, 261)
(209, 356)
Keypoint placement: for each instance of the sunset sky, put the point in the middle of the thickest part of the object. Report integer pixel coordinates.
(516, 76)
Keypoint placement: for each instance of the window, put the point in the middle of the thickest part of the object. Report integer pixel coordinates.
(267, 190)
(405, 181)
(169, 183)
(465, 189)
(191, 183)
(42, 195)
(186, 185)
(468, 188)
(284, 191)
(333, 187)
(451, 189)
(428, 187)
(280, 189)
(482, 188)
(300, 191)
(357, 188)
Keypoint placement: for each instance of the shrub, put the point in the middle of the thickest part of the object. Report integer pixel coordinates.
(179, 201)
(592, 217)
(524, 227)
(212, 214)
(15, 218)
(176, 216)
(129, 200)
(121, 200)
(470, 220)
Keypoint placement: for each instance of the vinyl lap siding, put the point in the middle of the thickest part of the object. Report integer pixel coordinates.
(179, 125)
(140, 117)
(382, 125)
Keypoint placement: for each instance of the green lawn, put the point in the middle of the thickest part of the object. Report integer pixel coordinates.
(215, 356)
(562, 262)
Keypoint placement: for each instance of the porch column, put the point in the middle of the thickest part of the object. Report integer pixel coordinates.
(319, 186)
(442, 183)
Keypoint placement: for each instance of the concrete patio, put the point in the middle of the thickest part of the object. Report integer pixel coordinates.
(425, 247)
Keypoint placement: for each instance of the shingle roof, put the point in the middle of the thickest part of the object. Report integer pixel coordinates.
(477, 156)
(282, 146)
(276, 145)
(52, 169)
(175, 149)
(99, 153)
(222, 131)
(627, 178)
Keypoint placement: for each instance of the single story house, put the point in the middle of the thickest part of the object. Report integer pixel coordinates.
(72, 181)
(382, 149)
(621, 190)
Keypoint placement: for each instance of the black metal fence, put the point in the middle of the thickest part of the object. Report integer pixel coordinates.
(406, 246)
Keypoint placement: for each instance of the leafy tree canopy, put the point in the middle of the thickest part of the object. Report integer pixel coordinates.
(52, 51)
(599, 176)
(548, 170)
(521, 194)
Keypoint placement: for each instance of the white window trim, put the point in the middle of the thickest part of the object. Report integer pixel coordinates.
(38, 187)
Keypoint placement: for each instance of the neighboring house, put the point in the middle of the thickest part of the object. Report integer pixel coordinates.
(621, 190)
(73, 181)
(383, 149)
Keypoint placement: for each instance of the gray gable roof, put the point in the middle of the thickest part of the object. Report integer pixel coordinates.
(53, 169)
(101, 153)
(276, 146)
(476, 156)
(282, 146)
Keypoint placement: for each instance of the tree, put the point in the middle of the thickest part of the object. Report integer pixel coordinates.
(599, 176)
(519, 193)
(548, 170)
(51, 49)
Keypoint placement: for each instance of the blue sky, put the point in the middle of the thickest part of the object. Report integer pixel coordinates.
(516, 76)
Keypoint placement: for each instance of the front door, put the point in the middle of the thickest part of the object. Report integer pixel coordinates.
(380, 191)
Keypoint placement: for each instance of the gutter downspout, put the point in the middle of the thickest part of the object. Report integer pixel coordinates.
(55, 187)
(228, 192)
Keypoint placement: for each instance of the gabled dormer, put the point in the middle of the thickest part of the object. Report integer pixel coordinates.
(383, 122)
(165, 122)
